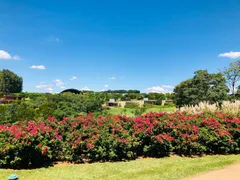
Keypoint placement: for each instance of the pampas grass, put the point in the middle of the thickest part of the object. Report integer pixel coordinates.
(226, 107)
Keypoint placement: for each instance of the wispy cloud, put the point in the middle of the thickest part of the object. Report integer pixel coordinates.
(73, 78)
(156, 89)
(231, 54)
(168, 86)
(41, 67)
(160, 89)
(106, 86)
(112, 78)
(50, 90)
(45, 87)
(16, 57)
(42, 86)
(4, 55)
(51, 86)
(85, 89)
(58, 83)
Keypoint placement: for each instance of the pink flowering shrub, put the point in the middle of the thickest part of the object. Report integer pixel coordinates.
(115, 138)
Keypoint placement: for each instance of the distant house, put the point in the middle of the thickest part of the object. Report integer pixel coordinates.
(8, 98)
(169, 101)
(112, 103)
(153, 102)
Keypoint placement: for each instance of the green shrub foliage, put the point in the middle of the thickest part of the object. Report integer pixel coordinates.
(45, 105)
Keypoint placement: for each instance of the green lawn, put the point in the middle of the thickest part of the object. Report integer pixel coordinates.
(130, 112)
(116, 111)
(166, 168)
(161, 109)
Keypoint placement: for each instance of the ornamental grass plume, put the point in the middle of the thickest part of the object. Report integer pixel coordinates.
(199, 108)
(231, 107)
(226, 107)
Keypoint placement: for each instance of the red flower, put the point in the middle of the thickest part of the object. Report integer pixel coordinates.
(90, 146)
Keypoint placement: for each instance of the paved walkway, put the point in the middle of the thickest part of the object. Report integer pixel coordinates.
(231, 172)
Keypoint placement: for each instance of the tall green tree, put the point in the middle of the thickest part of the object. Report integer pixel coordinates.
(202, 87)
(10, 82)
(232, 75)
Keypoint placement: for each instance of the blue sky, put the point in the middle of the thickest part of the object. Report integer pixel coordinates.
(147, 45)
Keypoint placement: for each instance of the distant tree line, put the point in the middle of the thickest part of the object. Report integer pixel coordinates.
(122, 91)
(43, 105)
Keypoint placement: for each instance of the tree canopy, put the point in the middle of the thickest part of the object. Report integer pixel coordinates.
(10, 82)
(202, 87)
(232, 75)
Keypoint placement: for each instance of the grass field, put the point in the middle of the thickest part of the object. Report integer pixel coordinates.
(130, 112)
(145, 169)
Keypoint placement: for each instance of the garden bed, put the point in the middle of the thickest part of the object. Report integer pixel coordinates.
(28, 144)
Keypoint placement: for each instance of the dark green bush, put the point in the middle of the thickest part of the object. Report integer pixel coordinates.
(169, 105)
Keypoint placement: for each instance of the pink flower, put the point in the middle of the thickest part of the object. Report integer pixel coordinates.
(58, 136)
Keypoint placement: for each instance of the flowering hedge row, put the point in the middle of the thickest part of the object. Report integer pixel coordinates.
(115, 138)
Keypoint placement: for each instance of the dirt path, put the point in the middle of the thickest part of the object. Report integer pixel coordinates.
(228, 173)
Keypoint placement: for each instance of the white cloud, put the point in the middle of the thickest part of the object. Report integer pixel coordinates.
(50, 89)
(160, 89)
(58, 82)
(155, 89)
(232, 55)
(16, 57)
(112, 78)
(168, 86)
(42, 86)
(85, 89)
(106, 86)
(45, 87)
(4, 55)
(41, 67)
(73, 78)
